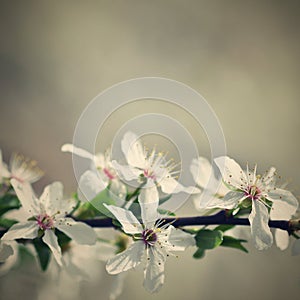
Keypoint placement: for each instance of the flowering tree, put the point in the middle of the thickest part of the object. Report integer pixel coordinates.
(145, 232)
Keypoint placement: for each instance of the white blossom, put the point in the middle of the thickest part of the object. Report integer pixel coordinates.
(152, 240)
(148, 168)
(44, 215)
(258, 190)
(20, 168)
(92, 182)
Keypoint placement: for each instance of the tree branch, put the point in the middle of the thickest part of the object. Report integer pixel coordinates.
(220, 218)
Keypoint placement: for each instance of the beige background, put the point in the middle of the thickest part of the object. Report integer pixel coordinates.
(242, 56)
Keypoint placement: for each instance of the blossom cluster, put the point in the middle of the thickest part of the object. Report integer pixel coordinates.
(57, 230)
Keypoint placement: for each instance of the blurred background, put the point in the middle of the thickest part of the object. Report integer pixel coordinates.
(242, 56)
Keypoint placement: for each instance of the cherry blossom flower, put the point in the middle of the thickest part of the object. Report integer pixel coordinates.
(91, 182)
(44, 215)
(20, 168)
(153, 240)
(151, 169)
(258, 191)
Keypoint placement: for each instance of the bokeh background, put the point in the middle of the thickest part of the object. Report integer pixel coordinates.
(242, 56)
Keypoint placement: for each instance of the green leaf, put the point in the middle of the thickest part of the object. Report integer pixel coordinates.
(224, 227)
(200, 253)
(208, 239)
(62, 238)
(229, 241)
(100, 199)
(43, 252)
(7, 223)
(95, 207)
(9, 202)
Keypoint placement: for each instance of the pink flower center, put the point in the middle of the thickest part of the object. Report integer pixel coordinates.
(44, 221)
(149, 237)
(109, 174)
(253, 192)
(149, 174)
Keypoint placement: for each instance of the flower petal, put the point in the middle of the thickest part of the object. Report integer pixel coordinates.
(80, 232)
(154, 273)
(284, 204)
(22, 230)
(90, 185)
(230, 170)
(127, 259)
(127, 172)
(51, 240)
(26, 196)
(52, 193)
(229, 201)
(149, 200)
(170, 186)
(130, 223)
(282, 239)
(180, 240)
(201, 170)
(260, 230)
(78, 151)
(133, 150)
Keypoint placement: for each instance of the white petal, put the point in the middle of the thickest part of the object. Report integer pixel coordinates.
(180, 240)
(80, 232)
(130, 223)
(26, 196)
(170, 186)
(78, 151)
(154, 274)
(230, 200)
(52, 199)
(5, 251)
(284, 204)
(230, 170)
(296, 247)
(22, 230)
(149, 200)
(260, 230)
(127, 259)
(133, 150)
(268, 178)
(90, 185)
(127, 172)
(201, 170)
(51, 240)
(282, 239)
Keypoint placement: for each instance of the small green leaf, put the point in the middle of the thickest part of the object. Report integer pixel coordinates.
(43, 252)
(224, 227)
(229, 241)
(7, 223)
(9, 202)
(208, 239)
(200, 253)
(100, 199)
